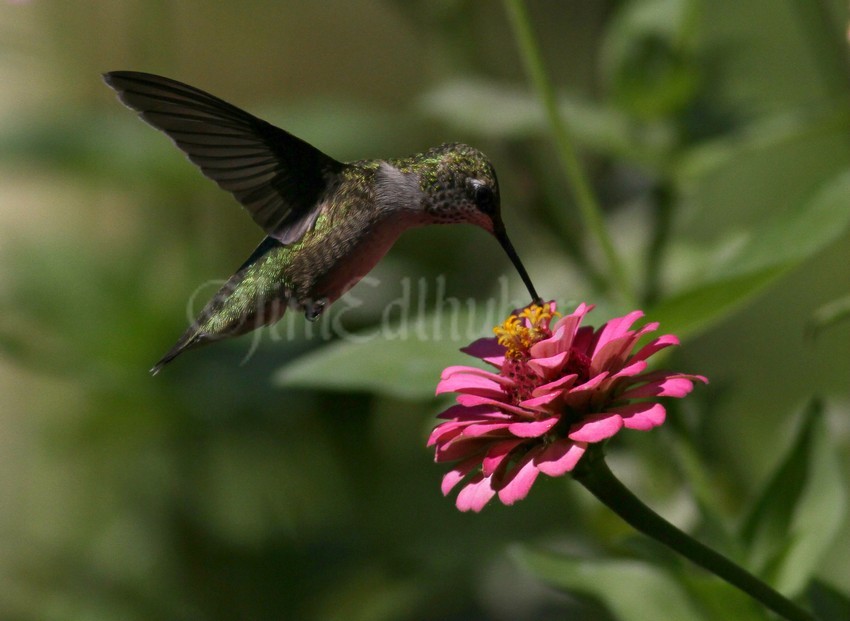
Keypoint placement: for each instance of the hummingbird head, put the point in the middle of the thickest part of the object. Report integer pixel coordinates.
(460, 186)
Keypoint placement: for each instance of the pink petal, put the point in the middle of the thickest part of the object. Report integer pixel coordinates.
(560, 457)
(634, 368)
(446, 431)
(571, 322)
(566, 330)
(597, 427)
(583, 340)
(476, 430)
(533, 429)
(461, 413)
(579, 396)
(550, 346)
(655, 345)
(672, 386)
(642, 416)
(544, 366)
(559, 385)
(590, 384)
(497, 454)
(460, 448)
(475, 495)
(457, 474)
(614, 329)
(470, 384)
(613, 354)
(539, 402)
(519, 481)
(471, 400)
(464, 370)
(488, 350)
(476, 400)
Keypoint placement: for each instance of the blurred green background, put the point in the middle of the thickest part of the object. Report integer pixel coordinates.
(717, 138)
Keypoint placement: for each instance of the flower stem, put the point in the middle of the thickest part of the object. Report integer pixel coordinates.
(587, 203)
(593, 473)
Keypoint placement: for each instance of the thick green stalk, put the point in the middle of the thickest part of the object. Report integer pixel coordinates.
(593, 473)
(588, 205)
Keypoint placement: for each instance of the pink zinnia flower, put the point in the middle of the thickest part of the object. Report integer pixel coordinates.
(558, 387)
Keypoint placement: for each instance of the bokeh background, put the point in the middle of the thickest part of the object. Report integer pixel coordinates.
(296, 485)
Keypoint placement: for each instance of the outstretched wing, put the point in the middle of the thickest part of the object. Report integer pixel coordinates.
(277, 177)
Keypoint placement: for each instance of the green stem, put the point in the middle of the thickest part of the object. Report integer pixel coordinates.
(587, 203)
(593, 473)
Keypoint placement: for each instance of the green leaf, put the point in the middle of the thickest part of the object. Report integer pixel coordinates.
(516, 113)
(777, 247)
(400, 361)
(632, 590)
(696, 309)
(793, 236)
(800, 510)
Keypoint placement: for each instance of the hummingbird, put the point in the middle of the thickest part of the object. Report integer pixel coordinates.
(327, 223)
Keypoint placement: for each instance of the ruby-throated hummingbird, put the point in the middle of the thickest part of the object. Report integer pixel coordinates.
(328, 223)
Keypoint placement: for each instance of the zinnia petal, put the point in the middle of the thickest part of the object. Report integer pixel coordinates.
(475, 495)
(466, 371)
(519, 480)
(642, 416)
(550, 346)
(560, 384)
(597, 427)
(655, 345)
(533, 429)
(544, 367)
(507, 407)
(470, 384)
(497, 454)
(461, 413)
(457, 474)
(615, 329)
(672, 385)
(488, 350)
(540, 402)
(560, 457)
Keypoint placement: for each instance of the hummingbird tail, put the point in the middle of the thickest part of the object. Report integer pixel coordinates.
(190, 339)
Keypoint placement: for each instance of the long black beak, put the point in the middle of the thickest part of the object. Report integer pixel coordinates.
(502, 236)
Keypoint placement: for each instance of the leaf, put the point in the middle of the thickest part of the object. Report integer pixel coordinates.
(400, 360)
(782, 130)
(779, 246)
(800, 510)
(789, 238)
(632, 590)
(517, 113)
(696, 309)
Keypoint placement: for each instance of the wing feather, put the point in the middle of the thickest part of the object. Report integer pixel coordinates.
(277, 177)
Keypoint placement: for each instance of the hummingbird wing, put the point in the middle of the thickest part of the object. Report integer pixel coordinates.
(277, 177)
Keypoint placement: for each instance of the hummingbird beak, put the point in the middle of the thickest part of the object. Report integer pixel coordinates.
(502, 236)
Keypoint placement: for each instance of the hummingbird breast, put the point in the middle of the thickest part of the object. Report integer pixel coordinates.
(359, 222)
(331, 262)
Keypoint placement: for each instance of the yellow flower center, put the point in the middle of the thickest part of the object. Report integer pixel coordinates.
(519, 332)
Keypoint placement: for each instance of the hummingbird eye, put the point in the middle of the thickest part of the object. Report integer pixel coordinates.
(484, 197)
